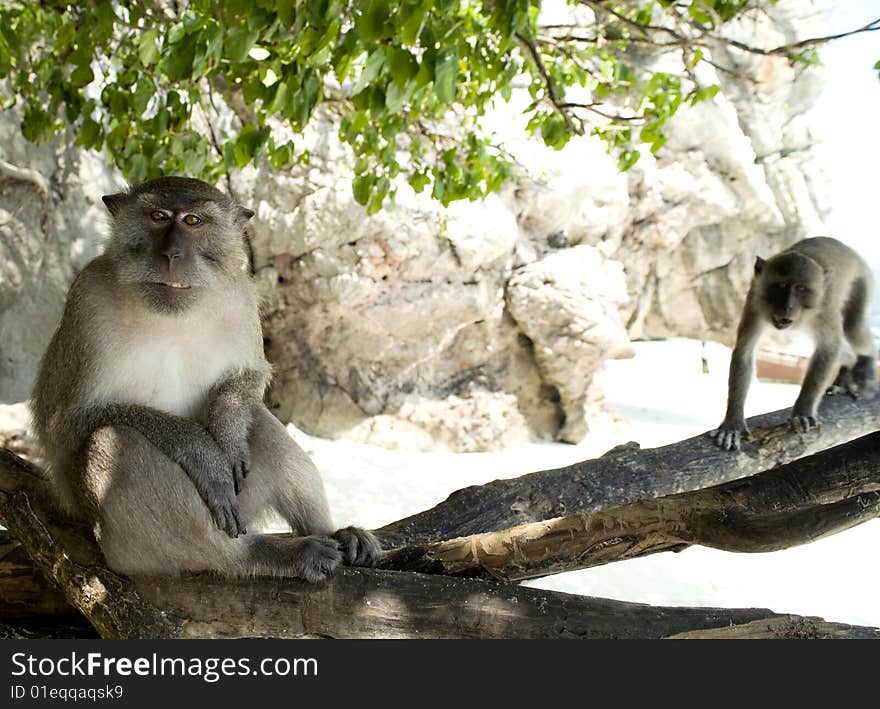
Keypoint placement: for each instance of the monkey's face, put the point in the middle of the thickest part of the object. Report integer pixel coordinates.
(790, 285)
(174, 238)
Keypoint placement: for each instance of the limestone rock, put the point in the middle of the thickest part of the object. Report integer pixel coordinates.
(568, 306)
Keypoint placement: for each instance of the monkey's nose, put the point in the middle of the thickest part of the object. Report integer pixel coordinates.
(782, 323)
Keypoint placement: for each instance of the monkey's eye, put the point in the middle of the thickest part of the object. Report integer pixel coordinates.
(192, 220)
(159, 216)
(801, 289)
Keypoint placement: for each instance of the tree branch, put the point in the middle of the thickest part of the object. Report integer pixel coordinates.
(794, 504)
(366, 603)
(629, 475)
(552, 95)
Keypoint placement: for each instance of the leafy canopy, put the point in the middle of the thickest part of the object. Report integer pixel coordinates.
(140, 80)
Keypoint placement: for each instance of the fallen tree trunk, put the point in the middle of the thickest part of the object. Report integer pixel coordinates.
(382, 603)
(362, 603)
(630, 474)
(366, 603)
(797, 503)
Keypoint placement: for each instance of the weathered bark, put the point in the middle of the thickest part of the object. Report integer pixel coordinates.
(626, 475)
(794, 504)
(364, 603)
(24, 591)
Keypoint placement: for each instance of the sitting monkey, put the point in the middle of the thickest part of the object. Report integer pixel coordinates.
(148, 402)
(822, 287)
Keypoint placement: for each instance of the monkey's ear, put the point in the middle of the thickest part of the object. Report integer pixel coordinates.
(243, 215)
(759, 265)
(114, 202)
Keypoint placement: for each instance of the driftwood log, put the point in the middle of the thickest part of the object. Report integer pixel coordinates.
(629, 474)
(796, 503)
(779, 491)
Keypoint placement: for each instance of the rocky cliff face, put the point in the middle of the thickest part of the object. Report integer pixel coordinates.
(483, 324)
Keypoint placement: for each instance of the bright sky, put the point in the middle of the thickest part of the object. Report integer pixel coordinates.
(849, 117)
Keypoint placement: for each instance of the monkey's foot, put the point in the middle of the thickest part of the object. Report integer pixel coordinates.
(803, 423)
(729, 436)
(863, 387)
(316, 558)
(843, 383)
(864, 375)
(359, 547)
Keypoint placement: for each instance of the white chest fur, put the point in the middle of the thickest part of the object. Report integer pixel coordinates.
(169, 362)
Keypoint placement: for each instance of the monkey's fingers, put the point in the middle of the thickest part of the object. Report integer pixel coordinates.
(359, 547)
(802, 424)
(238, 524)
(238, 475)
(726, 439)
(226, 518)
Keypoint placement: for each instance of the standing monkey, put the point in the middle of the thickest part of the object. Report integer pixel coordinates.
(823, 287)
(148, 402)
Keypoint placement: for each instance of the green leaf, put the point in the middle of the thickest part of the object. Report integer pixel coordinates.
(178, 64)
(90, 134)
(285, 10)
(413, 23)
(176, 33)
(374, 65)
(403, 67)
(248, 144)
(627, 159)
(372, 23)
(395, 98)
(445, 73)
(148, 48)
(137, 168)
(361, 187)
(81, 76)
(238, 43)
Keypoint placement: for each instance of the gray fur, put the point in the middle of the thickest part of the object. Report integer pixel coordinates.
(148, 403)
(823, 287)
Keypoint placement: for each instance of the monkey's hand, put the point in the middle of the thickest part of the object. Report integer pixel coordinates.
(208, 468)
(730, 433)
(231, 433)
(359, 547)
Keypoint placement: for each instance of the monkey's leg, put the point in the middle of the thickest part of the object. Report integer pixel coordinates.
(283, 477)
(863, 384)
(819, 373)
(151, 520)
(184, 441)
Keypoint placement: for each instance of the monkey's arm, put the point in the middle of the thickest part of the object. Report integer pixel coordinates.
(742, 361)
(229, 413)
(820, 372)
(184, 441)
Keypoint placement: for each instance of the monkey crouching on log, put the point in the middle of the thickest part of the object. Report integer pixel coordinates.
(149, 403)
(819, 286)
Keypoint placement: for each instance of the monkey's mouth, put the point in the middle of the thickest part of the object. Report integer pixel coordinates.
(171, 284)
(781, 323)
